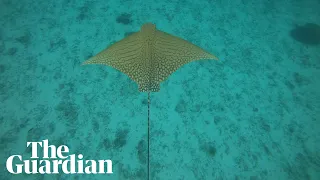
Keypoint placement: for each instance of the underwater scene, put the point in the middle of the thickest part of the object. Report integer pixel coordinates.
(160, 90)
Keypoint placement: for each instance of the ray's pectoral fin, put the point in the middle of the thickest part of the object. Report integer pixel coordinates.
(173, 52)
(124, 55)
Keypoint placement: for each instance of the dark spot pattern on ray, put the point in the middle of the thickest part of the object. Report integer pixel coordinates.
(149, 56)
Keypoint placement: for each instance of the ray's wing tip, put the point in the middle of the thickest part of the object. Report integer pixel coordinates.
(211, 56)
(85, 63)
(88, 61)
(215, 58)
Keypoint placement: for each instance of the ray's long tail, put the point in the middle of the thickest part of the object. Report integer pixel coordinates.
(148, 174)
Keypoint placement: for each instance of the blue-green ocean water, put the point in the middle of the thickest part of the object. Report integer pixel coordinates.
(254, 114)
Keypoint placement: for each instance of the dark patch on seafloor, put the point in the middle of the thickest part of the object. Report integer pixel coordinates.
(308, 34)
(124, 18)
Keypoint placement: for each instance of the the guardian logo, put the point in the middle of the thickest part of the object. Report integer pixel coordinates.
(70, 164)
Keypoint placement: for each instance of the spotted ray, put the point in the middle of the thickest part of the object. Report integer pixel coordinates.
(149, 56)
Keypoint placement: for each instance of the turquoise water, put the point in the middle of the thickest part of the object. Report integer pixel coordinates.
(254, 114)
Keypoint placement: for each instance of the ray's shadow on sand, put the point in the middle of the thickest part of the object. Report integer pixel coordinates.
(308, 34)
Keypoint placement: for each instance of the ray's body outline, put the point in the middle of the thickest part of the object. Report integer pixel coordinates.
(144, 56)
